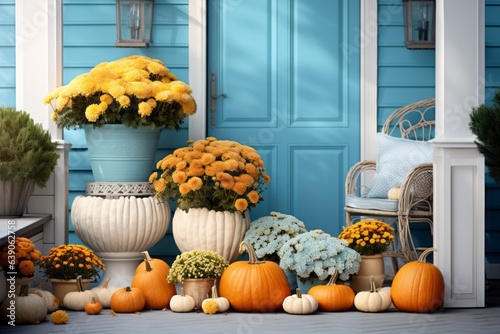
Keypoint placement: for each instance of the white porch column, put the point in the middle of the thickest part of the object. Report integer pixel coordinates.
(39, 69)
(38, 58)
(458, 166)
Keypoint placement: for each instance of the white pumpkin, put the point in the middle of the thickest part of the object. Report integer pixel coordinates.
(300, 303)
(25, 308)
(77, 300)
(104, 292)
(222, 302)
(182, 303)
(49, 298)
(372, 300)
(394, 193)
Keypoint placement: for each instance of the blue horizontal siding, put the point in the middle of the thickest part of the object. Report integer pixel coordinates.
(89, 39)
(7, 54)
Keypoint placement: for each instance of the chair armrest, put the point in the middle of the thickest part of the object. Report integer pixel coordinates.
(352, 186)
(417, 188)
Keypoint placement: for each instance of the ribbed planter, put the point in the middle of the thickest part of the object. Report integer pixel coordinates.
(220, 231)
(119, 229)
(14, 197)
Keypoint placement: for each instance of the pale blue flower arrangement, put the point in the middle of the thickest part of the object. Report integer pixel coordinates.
(267, 234)
(316, 254)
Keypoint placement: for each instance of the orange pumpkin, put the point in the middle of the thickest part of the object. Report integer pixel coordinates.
(418, 286)
(93, 307)
(156, 264)
(254, 286)
(155, 287)
(127, 300)
(333, 297)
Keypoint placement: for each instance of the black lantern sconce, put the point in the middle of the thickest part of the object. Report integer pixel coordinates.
(134, 23)
(420, 24)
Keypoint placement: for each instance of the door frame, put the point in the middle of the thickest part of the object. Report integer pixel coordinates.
(368, 74)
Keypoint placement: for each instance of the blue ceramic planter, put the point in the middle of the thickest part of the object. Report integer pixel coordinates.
(308, 284)
(121, 154)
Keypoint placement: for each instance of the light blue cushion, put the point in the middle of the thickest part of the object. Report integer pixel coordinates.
(371, 203)
(396, 157)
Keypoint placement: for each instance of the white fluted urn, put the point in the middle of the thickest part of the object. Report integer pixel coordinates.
(119, 229)
(220, 231)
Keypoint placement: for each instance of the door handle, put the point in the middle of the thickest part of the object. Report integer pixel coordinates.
(213, 97)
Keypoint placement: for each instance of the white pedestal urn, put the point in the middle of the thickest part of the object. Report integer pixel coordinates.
(119, 228)
(220, 231)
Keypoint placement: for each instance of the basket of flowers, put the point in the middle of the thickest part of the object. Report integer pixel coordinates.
(214, 183)
(267, 234)
(197, 270)
(316, 255)
(370, 238)
(65, 263)
(19, 258)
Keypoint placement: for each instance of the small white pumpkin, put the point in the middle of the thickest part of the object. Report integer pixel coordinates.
(300, 303)
(394, 193)
(386, 289)
(104, 292)
(222, 302)
(51, 300)
(25, 308)
(77, 300)
(182, 303)
(372, 300)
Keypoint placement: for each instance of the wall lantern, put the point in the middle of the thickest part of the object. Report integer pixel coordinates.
(134, 22)
(420, 24)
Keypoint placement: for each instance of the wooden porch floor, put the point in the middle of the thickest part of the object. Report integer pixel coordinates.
(473, 320)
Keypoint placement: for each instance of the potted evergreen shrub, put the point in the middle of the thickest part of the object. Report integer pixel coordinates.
(27, 157)
(485, 124)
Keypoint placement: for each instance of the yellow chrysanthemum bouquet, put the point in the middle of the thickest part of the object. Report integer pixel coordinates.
(69, 261)
(368, 237)
(198, 263)
(220, 175)
(134, 91)
(20, 257)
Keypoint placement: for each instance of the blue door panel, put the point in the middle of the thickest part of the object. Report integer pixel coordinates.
(290, 70)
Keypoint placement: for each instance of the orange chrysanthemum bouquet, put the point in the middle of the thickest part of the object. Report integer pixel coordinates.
(70, 261)
(20, 257)
(220, 175)
(368, 237)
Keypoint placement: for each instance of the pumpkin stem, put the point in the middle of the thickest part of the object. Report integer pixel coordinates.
(148, 265)
(93, 300)
(424, 254)
(334, 277)
(106, 282)
(128, 289)
(299, 294)
(24, 290)
(252, 257)
(214, 292)
(41, 286)
(146, 256)
(373, 288)
(79, 284)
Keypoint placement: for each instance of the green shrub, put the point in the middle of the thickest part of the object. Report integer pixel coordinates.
(485, 124)
(26, 149)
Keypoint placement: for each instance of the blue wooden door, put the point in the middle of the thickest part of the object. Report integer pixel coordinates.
(284, 79)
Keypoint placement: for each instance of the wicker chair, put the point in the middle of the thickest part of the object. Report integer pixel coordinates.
(415, 122)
